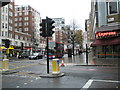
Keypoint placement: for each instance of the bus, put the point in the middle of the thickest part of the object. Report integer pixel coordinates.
(56, 50)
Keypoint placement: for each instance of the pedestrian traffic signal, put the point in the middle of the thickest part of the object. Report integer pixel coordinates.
(50, 27)
(43, 28)
(7, 43)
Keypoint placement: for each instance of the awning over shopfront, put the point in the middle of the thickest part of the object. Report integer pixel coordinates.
(100, 42)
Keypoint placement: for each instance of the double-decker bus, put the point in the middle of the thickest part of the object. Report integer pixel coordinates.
(56, 49)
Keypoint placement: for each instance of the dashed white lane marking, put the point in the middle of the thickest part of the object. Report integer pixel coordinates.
(31, 81)
(17, 86)
(25, 83)
(88, 84)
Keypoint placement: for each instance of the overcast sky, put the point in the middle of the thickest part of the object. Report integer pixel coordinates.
(77, 10)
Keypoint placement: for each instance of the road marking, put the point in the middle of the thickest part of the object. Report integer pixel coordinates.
(31, 81)
(25, 83)
(17, 86)
(88, 84)
(22, 66)
(106, 81)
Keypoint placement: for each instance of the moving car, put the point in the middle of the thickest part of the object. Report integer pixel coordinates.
(36, 56)
(23, 55)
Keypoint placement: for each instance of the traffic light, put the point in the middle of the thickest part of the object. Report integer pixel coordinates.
(43, 28)
(4, 2)
(50, 27)
(7, 43)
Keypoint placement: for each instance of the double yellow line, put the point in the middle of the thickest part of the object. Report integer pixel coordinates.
(17, 67)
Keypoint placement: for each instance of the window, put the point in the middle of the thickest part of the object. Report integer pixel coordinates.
(20, 14)
(26, 13)
(11, 6)
(26, 29)
(25, 38)
(10, 21)
(16, 14)
(6, 9)
(16, 36)
(15, 29)
(6, 25)
(10, 35)
(2, 9)
(21, 38)
(10, 13)
(20, 24)
(26, 23)
(2, 25)
(16, 19)
(2, 33)
(10, 28)
(16, 43)
(26, 8)
(2, 17)
(20, 19)
(20, 29)
(15, 24)
(20, 8)
(26, 18)
(6, 33)
(113, 7)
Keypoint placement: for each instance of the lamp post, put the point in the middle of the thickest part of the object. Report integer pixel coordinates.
(73, 37)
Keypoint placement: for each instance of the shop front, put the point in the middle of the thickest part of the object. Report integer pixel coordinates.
(107, 44)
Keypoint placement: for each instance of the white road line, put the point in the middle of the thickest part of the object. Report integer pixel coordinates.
(106, 81)
(88, 84)
(17, 86)
(25, 83)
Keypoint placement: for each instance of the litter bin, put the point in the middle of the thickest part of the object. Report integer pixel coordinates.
(55, 66)
(5, 62)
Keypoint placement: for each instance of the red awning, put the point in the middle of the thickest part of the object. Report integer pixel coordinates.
(106, 42)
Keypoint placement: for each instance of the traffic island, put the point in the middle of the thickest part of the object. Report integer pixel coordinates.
(8, 72)
(52, 75)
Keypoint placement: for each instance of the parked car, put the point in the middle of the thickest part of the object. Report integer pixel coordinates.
(36, 56)
(23, 55)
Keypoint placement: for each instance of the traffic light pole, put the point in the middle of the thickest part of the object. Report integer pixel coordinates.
(47, 56)
(47, 46)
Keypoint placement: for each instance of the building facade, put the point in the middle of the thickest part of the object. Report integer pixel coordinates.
(7, 24)
(20, 25)
(105, 25)
(27, 26)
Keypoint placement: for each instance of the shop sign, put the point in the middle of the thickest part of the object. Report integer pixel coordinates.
(111, 19)
(100, 35)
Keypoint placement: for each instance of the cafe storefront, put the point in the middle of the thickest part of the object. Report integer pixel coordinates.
(107, 44)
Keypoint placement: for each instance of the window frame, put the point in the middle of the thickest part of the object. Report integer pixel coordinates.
(109, 9)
